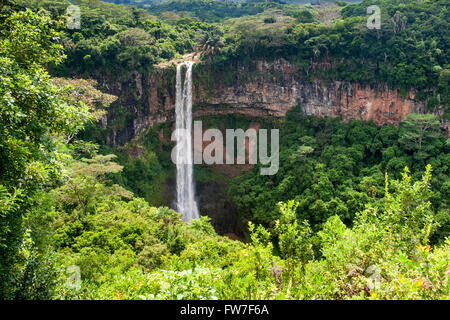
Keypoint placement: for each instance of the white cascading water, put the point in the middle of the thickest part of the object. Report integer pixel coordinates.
(186, 203)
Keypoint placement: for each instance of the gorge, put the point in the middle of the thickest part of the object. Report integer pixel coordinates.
(261, 90)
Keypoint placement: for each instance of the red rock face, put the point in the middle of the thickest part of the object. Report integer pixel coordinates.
(385, 107)
(270, 89)
(266, 94)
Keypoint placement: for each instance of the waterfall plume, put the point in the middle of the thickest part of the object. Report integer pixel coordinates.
(185, 201)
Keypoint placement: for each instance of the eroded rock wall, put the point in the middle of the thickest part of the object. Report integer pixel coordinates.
(275, 87)
(265, 89)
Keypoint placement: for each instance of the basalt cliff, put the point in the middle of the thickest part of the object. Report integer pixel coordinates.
(262, 89)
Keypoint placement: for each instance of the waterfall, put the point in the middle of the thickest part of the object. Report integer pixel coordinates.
(186, 203)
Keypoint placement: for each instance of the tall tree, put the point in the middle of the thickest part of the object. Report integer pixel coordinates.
(417, 134)
(35, 117)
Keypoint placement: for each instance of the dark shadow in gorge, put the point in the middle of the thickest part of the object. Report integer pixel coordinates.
(212, 201)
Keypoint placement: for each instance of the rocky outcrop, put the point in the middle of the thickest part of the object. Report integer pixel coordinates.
(263, 89)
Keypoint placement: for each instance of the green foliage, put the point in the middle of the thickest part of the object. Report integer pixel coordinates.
(85, 184)
(330, 168)
(379, 257)
(146, 164)
(117, 38)
(419, 134)
(384, 255)
(294, 238)
(409, 51)
(208, 10)
(36, 119)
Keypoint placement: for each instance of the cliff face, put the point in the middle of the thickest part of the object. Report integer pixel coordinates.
(269, 94)
(265, 89)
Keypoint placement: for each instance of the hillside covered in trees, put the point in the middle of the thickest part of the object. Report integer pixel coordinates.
(355, 211)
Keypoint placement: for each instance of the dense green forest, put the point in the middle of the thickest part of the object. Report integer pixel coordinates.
(409, 51)
(356, 211)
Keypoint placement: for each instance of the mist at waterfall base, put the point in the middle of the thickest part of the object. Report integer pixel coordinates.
(185, 197)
